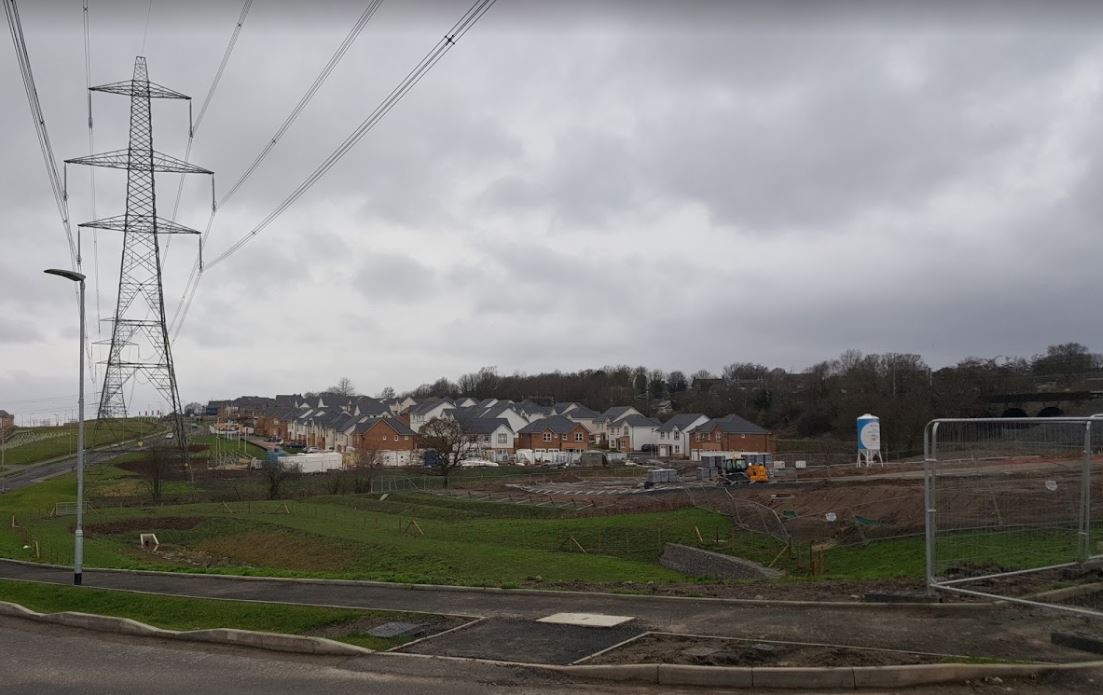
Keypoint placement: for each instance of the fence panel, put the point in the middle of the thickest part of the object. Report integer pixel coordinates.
(1009, 502)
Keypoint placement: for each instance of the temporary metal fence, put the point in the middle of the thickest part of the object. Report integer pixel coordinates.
(1008, 502)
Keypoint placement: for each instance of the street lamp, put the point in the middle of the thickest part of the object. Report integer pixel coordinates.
(78, 539)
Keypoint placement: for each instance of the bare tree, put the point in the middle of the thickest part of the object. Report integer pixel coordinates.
(446, 438)
(366, 468)
(276, 476)
(160, 462)
(344, 387)
(387, 392)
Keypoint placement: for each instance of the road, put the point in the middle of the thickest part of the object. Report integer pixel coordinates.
(53, 660)
(995, 633)
(37, 472)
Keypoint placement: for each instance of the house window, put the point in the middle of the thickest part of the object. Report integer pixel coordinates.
(502, 438)
(547, 436)
(578, 437)
(405, 437)
(677, 449)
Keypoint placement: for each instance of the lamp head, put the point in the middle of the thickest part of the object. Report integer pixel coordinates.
(67, 274)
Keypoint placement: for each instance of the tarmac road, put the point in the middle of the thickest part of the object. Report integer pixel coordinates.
(38, 659)
(37, 472)
(1008, 632)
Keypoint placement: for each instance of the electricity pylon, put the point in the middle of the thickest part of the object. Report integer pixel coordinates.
(139, 336)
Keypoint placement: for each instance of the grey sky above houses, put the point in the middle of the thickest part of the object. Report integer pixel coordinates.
(678, 185)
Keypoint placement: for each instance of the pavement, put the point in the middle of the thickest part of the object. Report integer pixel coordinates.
(1007, 632)
(54, 660)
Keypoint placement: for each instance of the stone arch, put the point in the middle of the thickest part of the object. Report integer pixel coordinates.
(1014, 412)
(1050, 411)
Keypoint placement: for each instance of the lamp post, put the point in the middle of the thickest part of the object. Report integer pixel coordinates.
(78, 536)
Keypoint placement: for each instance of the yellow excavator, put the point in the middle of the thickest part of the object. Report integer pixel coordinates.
(738, 471)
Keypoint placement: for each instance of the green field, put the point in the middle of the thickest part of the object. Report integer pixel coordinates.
(62, 441)
(180, 613)
(417, 537)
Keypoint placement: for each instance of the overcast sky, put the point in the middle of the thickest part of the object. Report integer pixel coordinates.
(678, 185)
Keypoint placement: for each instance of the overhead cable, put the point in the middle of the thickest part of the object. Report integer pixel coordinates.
(389, 102)
(458, 30)
(338, 54)
(203, 111)
(56, 184)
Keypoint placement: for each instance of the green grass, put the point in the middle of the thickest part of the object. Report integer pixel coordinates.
(181, 613)
(66, 440)
(455, 540)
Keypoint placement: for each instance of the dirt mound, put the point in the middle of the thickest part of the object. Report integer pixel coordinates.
(144, 525)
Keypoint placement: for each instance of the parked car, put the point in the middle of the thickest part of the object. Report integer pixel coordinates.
(311, 450)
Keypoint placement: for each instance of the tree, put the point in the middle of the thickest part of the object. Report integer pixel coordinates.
(343, 387)
(160, 462)
(677, 381)
(448, 442)
(366, 468)
(276, 476)
(387, 393)
(194, 409)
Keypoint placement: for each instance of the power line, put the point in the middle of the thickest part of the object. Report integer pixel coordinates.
(92, 170)
(203, 111)
(56, 183)
(419, 71)
(145, 32)
(197, 268)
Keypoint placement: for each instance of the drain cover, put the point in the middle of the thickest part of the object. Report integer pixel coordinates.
(586, 619)
(395, 629)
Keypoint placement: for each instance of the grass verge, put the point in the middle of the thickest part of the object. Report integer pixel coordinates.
(181, 613)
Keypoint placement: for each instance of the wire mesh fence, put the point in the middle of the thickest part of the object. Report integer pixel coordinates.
(1010, 502)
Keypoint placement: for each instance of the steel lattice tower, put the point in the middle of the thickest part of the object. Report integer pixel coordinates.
(139, 336)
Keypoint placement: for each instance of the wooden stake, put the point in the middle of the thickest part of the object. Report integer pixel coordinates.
(577, 544)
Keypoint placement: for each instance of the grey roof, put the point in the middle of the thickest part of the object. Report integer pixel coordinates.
(584, 413)
(425, 406)
(680, 422)
(615, 413)
(482, 425)
(555, 423)
(288, 400)
(732, 424)
(397, 425)
(4, 413)
(373, 408)
(637, 421)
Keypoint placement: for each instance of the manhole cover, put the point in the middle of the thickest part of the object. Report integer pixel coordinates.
(586, 619)
(395, 629)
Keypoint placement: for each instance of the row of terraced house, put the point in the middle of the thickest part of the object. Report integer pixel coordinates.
(499, 430)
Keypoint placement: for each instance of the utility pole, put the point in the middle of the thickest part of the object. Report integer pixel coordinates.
(139, 319)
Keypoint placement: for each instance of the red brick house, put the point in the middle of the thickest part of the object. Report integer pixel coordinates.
(389, 437)
(556, 433)
(730, 434)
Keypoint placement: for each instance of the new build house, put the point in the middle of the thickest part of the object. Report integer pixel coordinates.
(555, 433)
(674, 434)
(634, 432)
(730, 434)
(387, 438)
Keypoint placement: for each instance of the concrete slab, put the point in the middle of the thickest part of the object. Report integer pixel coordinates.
(394, 629)
(586, 619)
(523, 640)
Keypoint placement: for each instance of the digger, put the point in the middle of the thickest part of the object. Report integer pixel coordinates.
(738, 472)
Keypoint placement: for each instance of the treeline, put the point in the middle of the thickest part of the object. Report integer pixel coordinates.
(824, 399)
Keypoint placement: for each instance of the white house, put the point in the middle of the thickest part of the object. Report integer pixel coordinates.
(674, 434)
(493, 437)
(634, 432)
(427, 410)
(602, 422)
